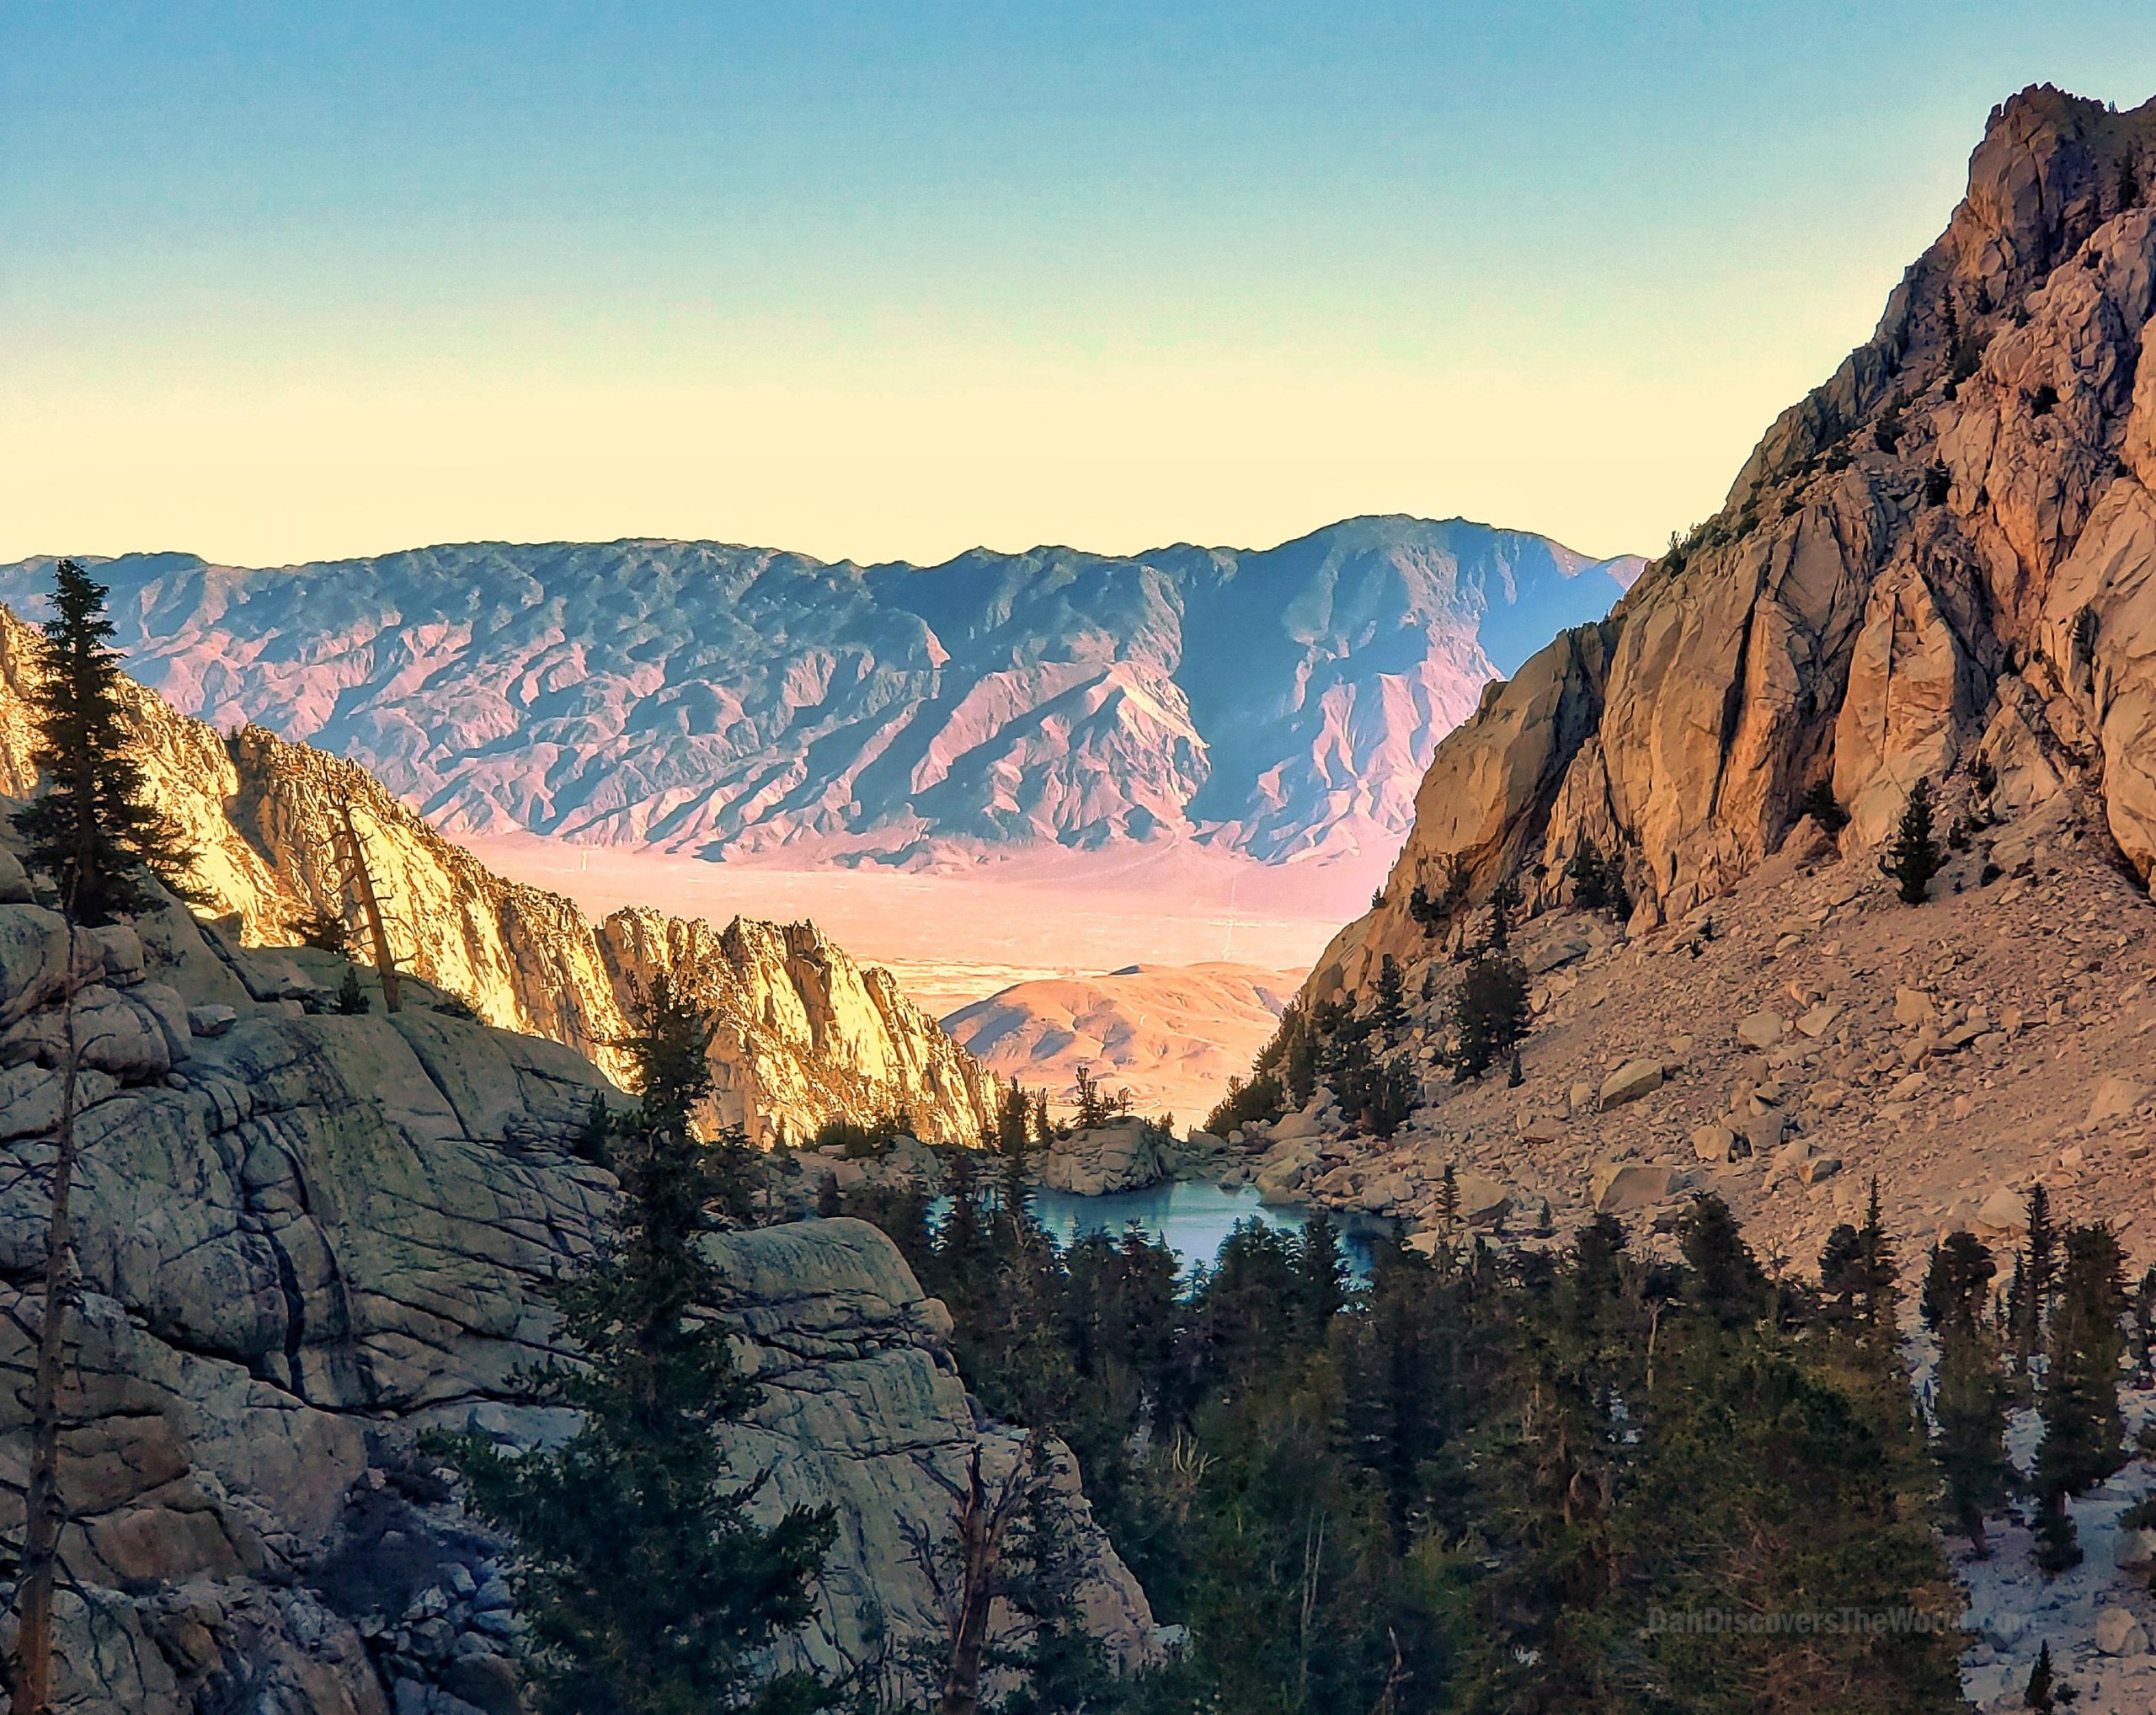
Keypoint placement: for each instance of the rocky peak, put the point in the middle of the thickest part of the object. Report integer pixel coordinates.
(1942, 554)
(806, 1035)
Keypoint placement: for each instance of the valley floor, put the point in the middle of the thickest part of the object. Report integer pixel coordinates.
(958, 935)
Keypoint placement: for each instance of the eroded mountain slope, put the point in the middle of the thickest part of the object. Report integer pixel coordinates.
(805, 1032)
(705, 698)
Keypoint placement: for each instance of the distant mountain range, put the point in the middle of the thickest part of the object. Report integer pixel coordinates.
(723, 701)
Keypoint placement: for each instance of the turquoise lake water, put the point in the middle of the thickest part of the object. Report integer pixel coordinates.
(1193, 1218)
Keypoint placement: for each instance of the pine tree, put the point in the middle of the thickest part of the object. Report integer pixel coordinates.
(1957, 1282)
(1839, 1271)
(2144, 1325)
(1093, 1103)
(91, 829)
(1877, 1269)
(1914, 858)
(1013, 1112)
(2034, 1276)
(1590, 880)
(1014, 1159)
(2037, 1695)
(592, 1139)
(322, 930)
(2058, 1544)
(1727, 1280)
(351, 998)
(2084, 1430)
(1504, 900)
(1490, 1014)
(1424, 911)
(1321, 1269)
(1390, 1010)
(1969, 1408)
(648, 1588)
(1449, 1201)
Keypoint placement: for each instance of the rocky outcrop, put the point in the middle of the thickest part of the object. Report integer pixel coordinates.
(715, 700)
(1945, 553)
(805, 1033)
(304, 1237)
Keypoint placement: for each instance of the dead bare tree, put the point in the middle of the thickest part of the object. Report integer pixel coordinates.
(352, 857)
(969, 1572)
(30, 1691)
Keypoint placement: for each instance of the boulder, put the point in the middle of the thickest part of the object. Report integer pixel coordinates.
(118, 949)
(1818, 1021)
(2119, 1631)
(1540, 1128)
(1913, 1007)
(29, 1101)
(1630, 1082)
(2004, 1212)
(1713, 1143)
(1761, 1030)
(1483, 1202)
(2115, 1099)
(33, 948)
(1556, 951)
(1302, 1125)
(118, 1036)
(1762, 1132)
(1816, 1168)
(14, 880)
(1122, 1155)
(1628, 1188)
(213, 1019)
(1384, 1192)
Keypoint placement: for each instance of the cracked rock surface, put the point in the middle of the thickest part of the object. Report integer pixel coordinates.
(304, 1237)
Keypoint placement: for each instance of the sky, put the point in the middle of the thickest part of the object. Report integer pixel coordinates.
(891, 280)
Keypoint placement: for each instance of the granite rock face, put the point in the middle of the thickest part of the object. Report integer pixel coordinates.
(806, 1035)
(1945, 555)
(304, 1237)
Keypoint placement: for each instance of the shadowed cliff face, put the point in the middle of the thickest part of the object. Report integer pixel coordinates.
(302, 1239)
(804, 1034)
(1944, 553)
(701, 698)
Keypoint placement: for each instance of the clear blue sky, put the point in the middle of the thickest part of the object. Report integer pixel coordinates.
(283, 281)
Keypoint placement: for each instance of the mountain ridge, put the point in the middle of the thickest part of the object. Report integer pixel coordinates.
(729, 700)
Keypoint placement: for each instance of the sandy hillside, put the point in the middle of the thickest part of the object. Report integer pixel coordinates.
(1172, 1033)
(955, 936)
(1817, 1034)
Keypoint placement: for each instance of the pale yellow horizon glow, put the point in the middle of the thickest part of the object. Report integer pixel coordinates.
(916, 455)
